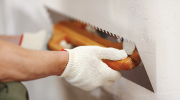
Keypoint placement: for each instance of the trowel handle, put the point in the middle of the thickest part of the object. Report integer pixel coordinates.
(62, 32)
(125, 64)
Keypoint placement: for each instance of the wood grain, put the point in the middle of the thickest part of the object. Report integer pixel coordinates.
(75, 33)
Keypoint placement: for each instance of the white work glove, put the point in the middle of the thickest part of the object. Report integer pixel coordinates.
(86, 70)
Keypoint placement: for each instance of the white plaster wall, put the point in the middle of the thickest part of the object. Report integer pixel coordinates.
(18, 16)
(153, 25)
(1, 17)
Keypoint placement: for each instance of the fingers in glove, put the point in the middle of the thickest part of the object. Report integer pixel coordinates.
(112, 54)
(111, 74)
(109, 83)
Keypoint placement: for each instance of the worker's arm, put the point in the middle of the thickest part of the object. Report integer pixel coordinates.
(19, 64)
(81, 66)
(12, 39)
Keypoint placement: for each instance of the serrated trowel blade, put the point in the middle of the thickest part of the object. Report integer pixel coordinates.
(137, 75)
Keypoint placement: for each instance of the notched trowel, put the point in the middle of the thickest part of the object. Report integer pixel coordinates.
(138, 74)
(70, 31)
(132, 67)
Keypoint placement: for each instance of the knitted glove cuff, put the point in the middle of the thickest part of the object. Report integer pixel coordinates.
(72, 69)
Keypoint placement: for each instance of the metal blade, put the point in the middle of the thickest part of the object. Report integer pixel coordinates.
(137, 75)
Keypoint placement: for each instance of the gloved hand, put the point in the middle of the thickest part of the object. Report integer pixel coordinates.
(86, 70)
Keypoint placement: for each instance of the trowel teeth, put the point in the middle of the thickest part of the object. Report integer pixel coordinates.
(95, 27)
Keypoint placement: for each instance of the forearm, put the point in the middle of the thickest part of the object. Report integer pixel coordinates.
(11, 39)
(19, 64)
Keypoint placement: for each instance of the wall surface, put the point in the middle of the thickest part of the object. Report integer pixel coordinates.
(18, 16)
(153, 25)
(1, 17)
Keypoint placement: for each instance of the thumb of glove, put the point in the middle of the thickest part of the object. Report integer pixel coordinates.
(112, 54)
